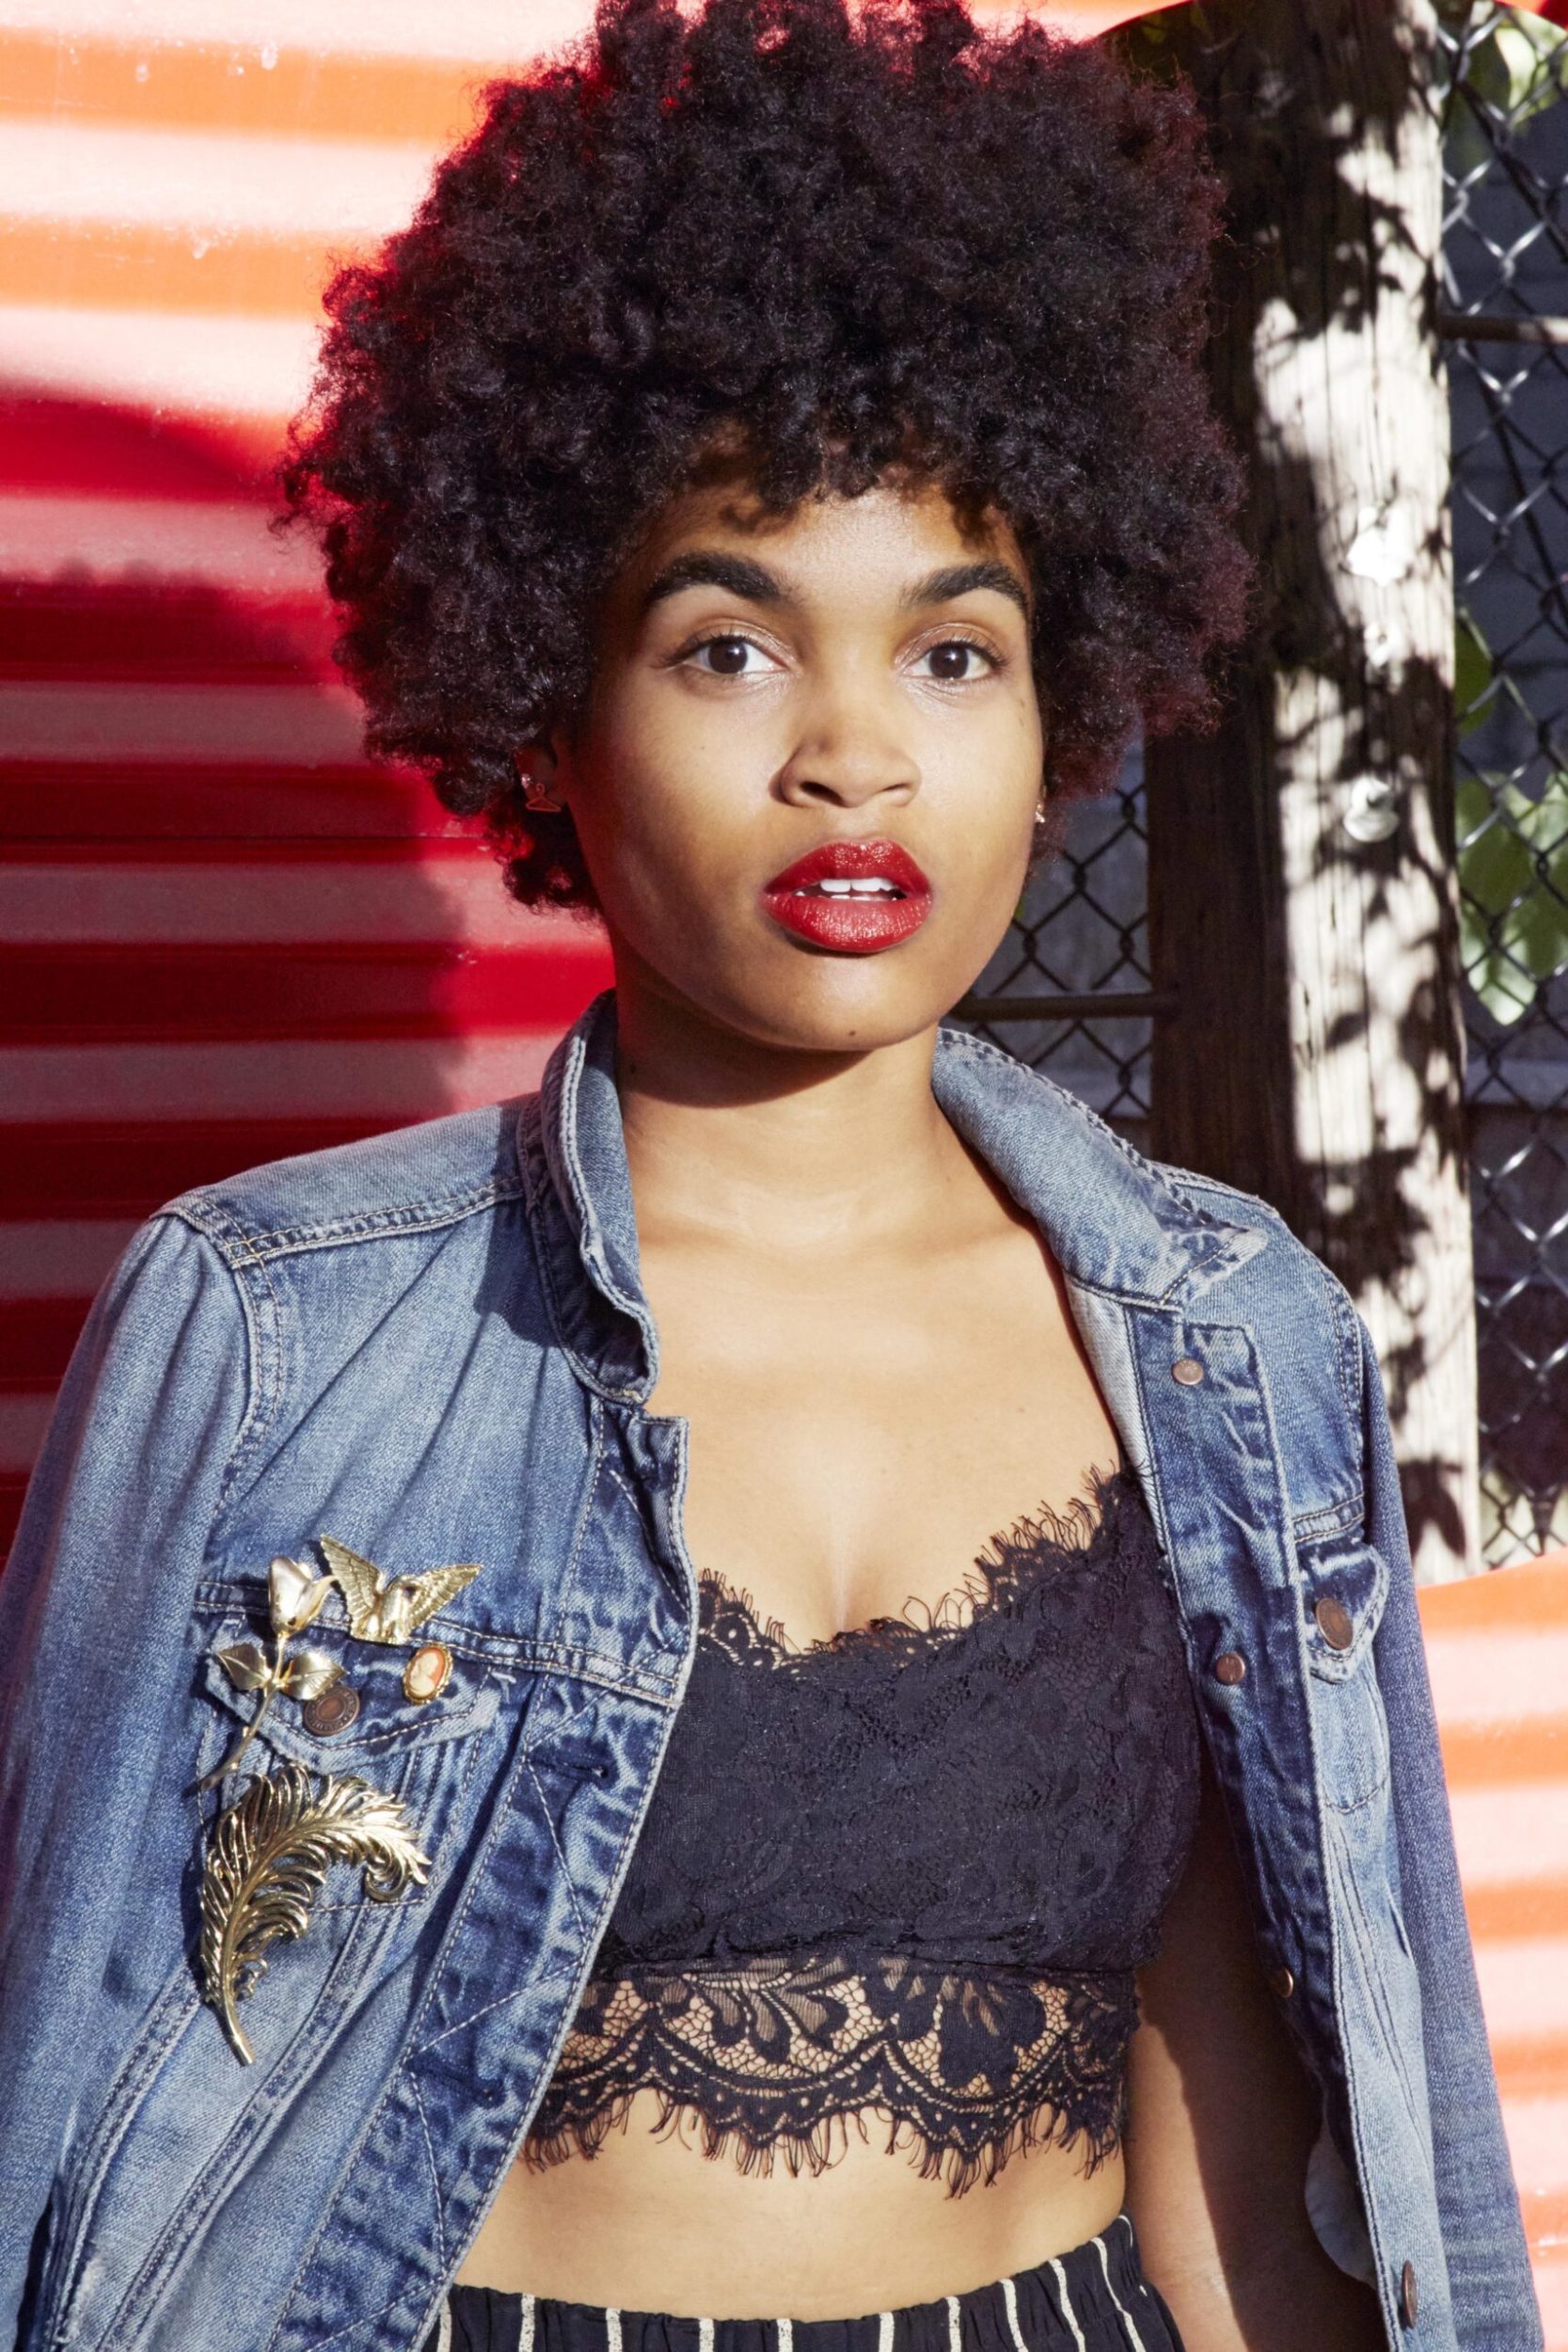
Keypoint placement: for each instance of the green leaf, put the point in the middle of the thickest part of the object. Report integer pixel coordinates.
(1472, 675)
(1513, 889)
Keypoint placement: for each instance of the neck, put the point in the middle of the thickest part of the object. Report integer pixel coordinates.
(782, 1149)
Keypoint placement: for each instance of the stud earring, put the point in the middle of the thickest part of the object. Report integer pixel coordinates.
(537, 794)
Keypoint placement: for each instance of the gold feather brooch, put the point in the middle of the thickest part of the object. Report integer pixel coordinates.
(268, 1861)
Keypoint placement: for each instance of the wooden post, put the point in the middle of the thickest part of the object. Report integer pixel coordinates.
(1302, 883)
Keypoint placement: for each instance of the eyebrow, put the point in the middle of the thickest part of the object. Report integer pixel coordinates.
(740, 576)
(736, 573)
(962, 580)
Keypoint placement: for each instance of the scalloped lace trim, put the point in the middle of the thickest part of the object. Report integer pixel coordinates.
(780, 2056)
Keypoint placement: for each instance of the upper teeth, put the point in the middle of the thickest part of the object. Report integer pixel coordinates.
(866, 886)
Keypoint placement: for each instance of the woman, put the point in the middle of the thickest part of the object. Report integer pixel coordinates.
(620, 1703)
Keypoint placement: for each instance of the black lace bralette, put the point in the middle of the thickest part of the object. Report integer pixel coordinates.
(909, 1871)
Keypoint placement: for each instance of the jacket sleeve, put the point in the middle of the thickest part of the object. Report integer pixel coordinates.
(94, 1607)
(1483, 2238)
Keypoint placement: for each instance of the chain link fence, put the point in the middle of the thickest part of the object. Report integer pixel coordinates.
(1069, 991)
(1504, 322)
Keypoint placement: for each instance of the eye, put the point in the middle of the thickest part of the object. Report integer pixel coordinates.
(729, 655)
(957, 661)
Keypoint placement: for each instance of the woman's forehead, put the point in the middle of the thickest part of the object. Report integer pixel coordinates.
(883, 536)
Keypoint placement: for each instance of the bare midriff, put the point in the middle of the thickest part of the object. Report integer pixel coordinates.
(651, 2224)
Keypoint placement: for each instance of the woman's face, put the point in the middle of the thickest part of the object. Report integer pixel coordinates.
(806, 779)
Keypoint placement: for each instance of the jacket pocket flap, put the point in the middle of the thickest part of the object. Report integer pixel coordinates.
(385, 1719)
(1343, 1588)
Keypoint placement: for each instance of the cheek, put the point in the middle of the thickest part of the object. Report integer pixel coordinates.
(660, 817)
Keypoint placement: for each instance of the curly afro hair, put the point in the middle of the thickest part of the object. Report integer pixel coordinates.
(860, 240)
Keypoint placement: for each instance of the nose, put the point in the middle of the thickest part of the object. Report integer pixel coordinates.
(848, 752)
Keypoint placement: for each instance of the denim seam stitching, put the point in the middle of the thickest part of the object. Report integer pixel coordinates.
(224, 1598)
(502, 2000)
(319, 2342)
(560, 1853)
(470, 1892)
(395, 1225)
(434, 2175)
(982, 1049)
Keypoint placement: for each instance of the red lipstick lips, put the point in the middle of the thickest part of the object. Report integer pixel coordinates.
(855, 898)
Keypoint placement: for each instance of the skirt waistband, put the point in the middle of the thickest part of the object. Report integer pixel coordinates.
(1092, 2299)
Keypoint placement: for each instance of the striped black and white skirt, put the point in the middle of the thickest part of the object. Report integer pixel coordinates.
(1094, 2298)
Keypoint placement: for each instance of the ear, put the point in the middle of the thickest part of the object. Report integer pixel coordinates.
(536, 772)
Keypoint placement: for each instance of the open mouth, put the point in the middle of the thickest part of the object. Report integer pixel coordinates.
(852, 898)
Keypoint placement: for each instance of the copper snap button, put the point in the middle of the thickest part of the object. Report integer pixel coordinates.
(1409, 2301)
(427, 1673)
(1334, 1624)
(1282, 1982)
(1187, 1370)
(330, 1711)
(1229, 1666)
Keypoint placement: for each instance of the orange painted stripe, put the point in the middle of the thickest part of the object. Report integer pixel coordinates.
(1530, 2062)
(1531, 1595)
(1531, 1907)
(121, 266)
(1475, 1755)
(180, 86)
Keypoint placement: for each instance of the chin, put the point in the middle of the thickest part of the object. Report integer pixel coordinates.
(839, 1004)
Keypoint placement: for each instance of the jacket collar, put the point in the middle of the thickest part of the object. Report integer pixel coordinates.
(1117, 1223)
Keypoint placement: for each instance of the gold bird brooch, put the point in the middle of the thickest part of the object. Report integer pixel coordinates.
(390, 1611)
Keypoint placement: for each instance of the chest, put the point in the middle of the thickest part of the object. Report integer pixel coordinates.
(859, 1427)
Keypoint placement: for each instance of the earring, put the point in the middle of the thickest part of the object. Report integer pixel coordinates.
(537, 791)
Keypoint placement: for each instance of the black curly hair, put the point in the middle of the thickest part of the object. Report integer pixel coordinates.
(855, 242)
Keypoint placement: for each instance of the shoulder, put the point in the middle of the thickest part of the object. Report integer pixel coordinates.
(413, 1180)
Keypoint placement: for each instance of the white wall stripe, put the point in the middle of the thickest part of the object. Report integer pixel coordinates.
(477, 32)
(1065, 2299)
(1125, 2315)
(1488, 1679)
(292, 1078)
(158, 540)
(192, 363)
(56, 167)
(955, 2332)
(525, 2328)
(1010, 2296)
(1516, 1831)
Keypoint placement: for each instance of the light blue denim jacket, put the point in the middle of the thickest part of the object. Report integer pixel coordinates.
(435, 1348)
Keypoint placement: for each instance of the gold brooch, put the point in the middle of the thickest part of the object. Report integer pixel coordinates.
(267, 1861)
(294, 1597)
(391, 1611)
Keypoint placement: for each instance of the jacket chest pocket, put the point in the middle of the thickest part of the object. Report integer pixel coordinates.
(398, 1718)
(1342, 1591)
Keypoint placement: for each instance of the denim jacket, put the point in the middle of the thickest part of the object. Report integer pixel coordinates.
(435, 1346)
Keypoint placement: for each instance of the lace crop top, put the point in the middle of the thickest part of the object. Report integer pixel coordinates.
(911, 1869)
